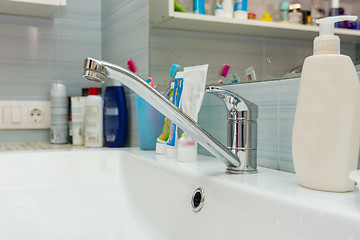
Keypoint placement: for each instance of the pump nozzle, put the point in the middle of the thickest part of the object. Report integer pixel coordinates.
(327, 24)
(327, 42)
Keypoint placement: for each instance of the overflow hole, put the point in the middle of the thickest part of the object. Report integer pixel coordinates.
(197, 200)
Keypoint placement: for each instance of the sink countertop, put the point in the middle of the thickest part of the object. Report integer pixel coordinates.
(35, 146)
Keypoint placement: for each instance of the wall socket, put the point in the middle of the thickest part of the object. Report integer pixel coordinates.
(25, 114)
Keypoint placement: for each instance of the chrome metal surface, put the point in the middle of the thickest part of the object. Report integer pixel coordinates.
(241, 129)
(198, 199)
(97, 70)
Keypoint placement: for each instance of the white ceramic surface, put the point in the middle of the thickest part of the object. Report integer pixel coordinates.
(131, 194)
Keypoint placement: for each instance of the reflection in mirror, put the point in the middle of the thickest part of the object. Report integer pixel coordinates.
(262, 58)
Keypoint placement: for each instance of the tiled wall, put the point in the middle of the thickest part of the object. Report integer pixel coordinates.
(35, 51)
(125, 35)
(276, 102)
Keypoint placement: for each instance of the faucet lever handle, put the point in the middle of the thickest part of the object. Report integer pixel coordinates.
(231, 99)
(224, 94)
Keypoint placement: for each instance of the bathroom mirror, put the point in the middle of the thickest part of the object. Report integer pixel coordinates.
(261, 58)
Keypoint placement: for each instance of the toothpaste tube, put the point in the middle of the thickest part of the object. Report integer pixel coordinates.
(162, 139)
(192, 96)
(172, 140)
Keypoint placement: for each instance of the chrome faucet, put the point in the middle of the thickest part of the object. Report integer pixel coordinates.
(234, 158)
(241, 128)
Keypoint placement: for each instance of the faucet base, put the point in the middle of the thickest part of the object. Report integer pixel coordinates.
(237, 171)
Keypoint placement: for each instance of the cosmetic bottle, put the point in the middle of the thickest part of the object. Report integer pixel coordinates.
(199, 6)
(325, 141)
(228, 7)
(93, 119)
(335, 8)
(219, 10)
(295, 15)
(241, 9)
(284, 8)
(115, 116)
(59, 113)
(317, 10)
(77, 113)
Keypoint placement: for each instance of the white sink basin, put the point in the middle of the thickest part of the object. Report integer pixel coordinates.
(131, 194)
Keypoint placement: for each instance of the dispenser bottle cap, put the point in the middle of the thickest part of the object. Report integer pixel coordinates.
(93, 91)
(327, 42)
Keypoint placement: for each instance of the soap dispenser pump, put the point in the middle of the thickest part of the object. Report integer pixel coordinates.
(326, 132)
(327, 42)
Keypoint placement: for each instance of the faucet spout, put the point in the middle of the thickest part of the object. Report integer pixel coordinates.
(100, 71)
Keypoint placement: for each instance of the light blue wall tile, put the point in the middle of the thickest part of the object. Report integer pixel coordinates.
(76, 40)
(213, 119)
(133, 132)
(111, 7)
(288, 93)
(125, 35)
(9, 136)
(35, 50)
(27, 56)
(86, 10)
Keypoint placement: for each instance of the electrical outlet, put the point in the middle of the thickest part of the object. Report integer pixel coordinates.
(35, 115)
(25, 114)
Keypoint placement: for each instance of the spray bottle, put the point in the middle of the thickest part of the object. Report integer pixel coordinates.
(59, 113)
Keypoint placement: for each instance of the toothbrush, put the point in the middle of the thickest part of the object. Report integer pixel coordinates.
(224, 70)
(132, 66)
(235, 78)
(150, 81)
(223, 73)
(174, 69)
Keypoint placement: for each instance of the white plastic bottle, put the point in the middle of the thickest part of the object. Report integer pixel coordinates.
(241, 9)
(59, 113)
(228, 6)
(326, 133)
(93, 119)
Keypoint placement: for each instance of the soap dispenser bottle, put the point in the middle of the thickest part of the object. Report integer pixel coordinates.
(326, 133)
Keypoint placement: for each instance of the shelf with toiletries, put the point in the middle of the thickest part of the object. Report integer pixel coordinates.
(32, 8)
(166, 17)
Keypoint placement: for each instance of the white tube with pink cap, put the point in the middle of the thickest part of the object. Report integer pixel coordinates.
(191, 100)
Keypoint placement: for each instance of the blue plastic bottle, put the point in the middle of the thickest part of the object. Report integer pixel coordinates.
(115, 116)
(199, 6)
